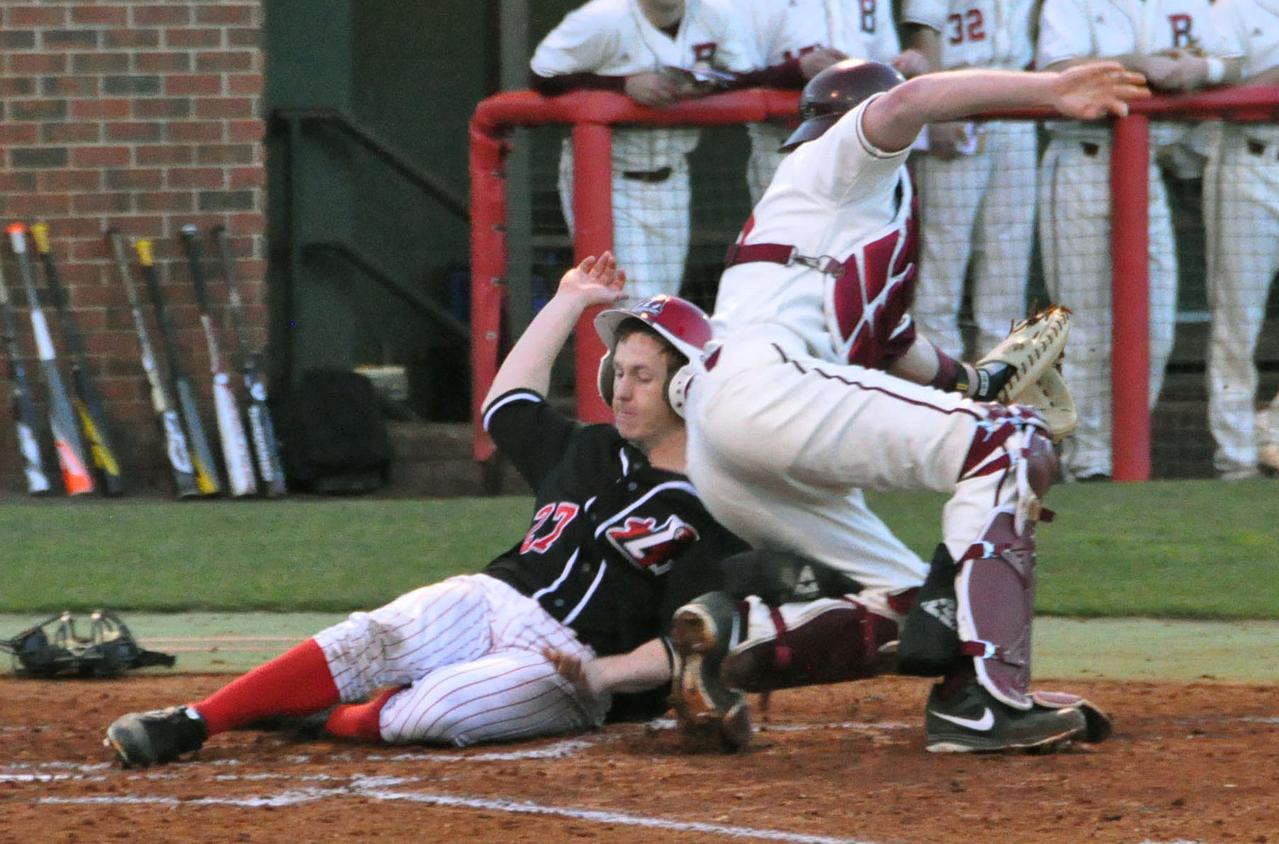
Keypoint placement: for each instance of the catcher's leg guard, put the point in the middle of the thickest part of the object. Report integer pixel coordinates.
(995, 593)
(829, 640)
(1011, 464)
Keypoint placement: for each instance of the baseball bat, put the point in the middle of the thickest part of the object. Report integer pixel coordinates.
(175, 442)
(235, 445)
(265, 446)
(24, 408)
(76, 476)
(87, 402)
(206, 471)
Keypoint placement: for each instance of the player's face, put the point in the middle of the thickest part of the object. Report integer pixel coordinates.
(640, 410)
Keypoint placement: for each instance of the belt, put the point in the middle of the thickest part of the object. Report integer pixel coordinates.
(779, 253)
(1090, 149)
(1257, 147)
(651, 176)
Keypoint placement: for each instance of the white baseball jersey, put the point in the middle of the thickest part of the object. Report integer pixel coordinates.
(978, 33)
(836, 197)
(614, 38)
(1241, 215)
(782, 30)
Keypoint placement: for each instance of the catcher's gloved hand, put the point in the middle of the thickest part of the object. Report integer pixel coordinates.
(1023, 369)
(983, 383)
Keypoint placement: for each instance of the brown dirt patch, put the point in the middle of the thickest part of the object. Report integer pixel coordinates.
(1187, 761)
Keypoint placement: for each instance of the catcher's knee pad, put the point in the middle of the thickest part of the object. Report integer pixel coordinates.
(828, 640)
(1011, 444)
(929, 645)
(994, 592)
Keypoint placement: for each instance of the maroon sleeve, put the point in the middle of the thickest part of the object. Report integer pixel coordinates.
(784, 75)
(550, 86)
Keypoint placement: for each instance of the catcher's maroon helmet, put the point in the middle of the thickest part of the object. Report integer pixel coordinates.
(836, 91)
(684, 325)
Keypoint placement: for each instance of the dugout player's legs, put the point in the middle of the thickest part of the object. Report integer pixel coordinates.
(650, 222)
(1242, 215)
(950, 194)
(1005, 232)
(651, 228)
(1074, 203)
(764, 160)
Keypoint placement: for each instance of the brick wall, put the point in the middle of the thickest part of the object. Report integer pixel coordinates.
(144, 116)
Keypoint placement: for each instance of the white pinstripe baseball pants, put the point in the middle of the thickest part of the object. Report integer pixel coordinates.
(469, 652)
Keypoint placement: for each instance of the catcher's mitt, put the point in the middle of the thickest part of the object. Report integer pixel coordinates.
(1025, 369)
(1031, 348)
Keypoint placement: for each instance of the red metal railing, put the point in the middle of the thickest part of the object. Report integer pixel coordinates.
(591, 113)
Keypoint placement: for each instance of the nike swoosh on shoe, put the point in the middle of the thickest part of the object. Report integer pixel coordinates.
(982, 724)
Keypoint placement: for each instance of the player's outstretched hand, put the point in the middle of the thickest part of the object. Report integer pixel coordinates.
(597, 281)
(1097, 89)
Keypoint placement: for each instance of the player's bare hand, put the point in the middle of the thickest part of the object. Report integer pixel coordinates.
(815, 61)
(1189, 73)
(1097, 89)
(652, 89)
(1160, 69)
(945, 140)
(910, 63)
(568, 666)
(596, 281)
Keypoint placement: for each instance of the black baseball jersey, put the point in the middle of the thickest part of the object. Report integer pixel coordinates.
(615, 545)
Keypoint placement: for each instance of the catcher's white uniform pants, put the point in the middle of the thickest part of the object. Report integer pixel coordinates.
(1241, 213)
(469, 651)
(780, 445)
(1074, 231)
(979, 206)
(650, 225)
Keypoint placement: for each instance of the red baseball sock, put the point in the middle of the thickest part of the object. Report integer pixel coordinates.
(359, 720)
(297, 682)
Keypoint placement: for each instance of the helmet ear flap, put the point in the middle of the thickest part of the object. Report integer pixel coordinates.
(604, 378)
(677, 388)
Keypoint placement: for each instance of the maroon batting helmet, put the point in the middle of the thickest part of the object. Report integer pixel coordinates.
(681, 323)
(836, 91)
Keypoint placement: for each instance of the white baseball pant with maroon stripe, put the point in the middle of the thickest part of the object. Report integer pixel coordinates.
(781, 444)
(469, 652)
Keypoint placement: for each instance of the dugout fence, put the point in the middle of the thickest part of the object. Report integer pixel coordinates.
(525, 220)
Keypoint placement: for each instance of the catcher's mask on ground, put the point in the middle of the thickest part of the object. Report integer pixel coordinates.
(836, 91)
(677, 322)
(53, 648)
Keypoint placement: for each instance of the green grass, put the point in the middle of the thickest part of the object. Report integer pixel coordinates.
(1184, 549)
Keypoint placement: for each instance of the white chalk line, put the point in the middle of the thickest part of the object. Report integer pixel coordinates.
(373, 791)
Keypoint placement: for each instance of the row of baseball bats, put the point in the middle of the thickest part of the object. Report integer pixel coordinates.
(86, 456)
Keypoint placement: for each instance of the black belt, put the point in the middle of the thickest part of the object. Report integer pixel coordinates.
(1090, 149)
(1259, 147)
(651, 176)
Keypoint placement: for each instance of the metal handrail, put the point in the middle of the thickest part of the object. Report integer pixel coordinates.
(351, 253)
(454, 201)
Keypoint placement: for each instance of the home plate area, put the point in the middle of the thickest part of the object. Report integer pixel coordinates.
(846, 763)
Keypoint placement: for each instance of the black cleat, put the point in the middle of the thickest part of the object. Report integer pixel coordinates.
(973, 721)
(708, 710)
(142, 739)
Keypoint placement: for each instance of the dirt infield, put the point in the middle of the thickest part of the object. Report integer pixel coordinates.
(1188, 762)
